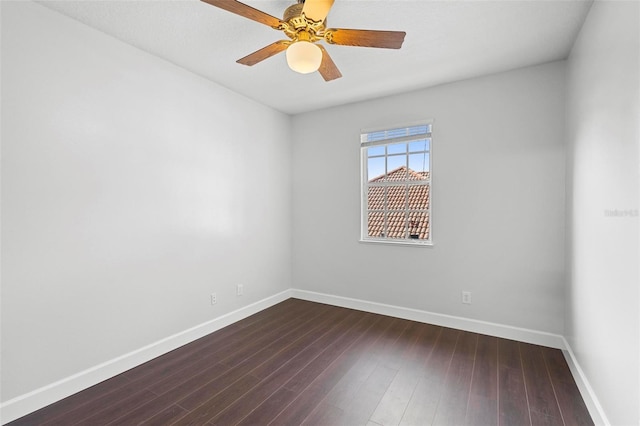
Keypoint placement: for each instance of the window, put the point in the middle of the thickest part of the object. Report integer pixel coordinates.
(396, 185)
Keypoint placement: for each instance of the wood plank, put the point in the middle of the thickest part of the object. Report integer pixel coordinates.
(485, 370)
(216, 373)
(543, 406)
(256, 351)
(363, 375)
(369, 395)
(483, 398)
(328, 414)
(63, 407)
(513, 408)
(572, 407)
(157, 408)
(397, 354)
(111, 412)
(84, 411)
(164, 417)
(314, 382)
(538, 419)
(557, 365)
(278, 339)
(282, 372)
(452, 407)
(482, 411)
(396, 399)
(171, 370)
(301, 362)
(312, 344)
(223, 353)
(222, 398)
(302, 380)
(235, 333)
(512, 399)
(185, 386)
(509, 354)
(424, 400)
(270, 408)
(351, 383)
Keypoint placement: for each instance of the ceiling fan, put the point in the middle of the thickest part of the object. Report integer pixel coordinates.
(304, 24)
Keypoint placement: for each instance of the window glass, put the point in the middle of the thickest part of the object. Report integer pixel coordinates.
(397, 191)
(375, 167)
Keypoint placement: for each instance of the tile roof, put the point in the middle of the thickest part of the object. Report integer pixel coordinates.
(397, 196)
(400, 174)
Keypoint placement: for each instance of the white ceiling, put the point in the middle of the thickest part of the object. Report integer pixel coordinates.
(446, 41)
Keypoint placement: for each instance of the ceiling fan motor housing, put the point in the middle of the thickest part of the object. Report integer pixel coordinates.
(296, 24)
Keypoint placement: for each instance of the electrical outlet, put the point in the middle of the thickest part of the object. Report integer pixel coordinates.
(214, 298)
(239, 290)
(466, 297)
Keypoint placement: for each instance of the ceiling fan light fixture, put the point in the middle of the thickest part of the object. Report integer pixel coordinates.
(304, 24)
(304, 57)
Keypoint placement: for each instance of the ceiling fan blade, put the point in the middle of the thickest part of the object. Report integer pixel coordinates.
(264, 53)
(242, 9)
(317, 10)
(328, 69)
(365, 38)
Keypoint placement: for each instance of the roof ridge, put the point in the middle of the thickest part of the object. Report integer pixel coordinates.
(413, 173)
(385, 174)
(416, 174)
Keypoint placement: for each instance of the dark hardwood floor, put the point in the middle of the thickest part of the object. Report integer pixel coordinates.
(306, 363)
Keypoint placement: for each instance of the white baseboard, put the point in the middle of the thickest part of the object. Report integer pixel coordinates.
(588, 395)
(39, 398)
(483, 327)
(492, 329)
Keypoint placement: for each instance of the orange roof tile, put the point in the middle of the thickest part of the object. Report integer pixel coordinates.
(400, 174)
(399, 197)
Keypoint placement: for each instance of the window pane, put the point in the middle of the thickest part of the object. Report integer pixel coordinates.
(422, 145)
(396, 167)
(375, 150)
(382, 135)
(396, 197)
(419, 130)
(374, 136)
(418, 197)
(375, 224)
(419, 225)
(396, 225)
(397, 187)
(375, 167)
(397, 148)
(396, 133)
(419, 163)
(375, 198)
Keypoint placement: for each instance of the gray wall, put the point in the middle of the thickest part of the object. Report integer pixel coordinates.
(498, 201)
(131, 190)
(603, 115)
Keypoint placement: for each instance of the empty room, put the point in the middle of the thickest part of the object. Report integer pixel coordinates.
(344, 212)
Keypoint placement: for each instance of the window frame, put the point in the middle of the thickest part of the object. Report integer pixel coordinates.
(364, 181)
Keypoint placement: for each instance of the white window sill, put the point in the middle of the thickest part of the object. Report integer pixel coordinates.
(398, 243)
